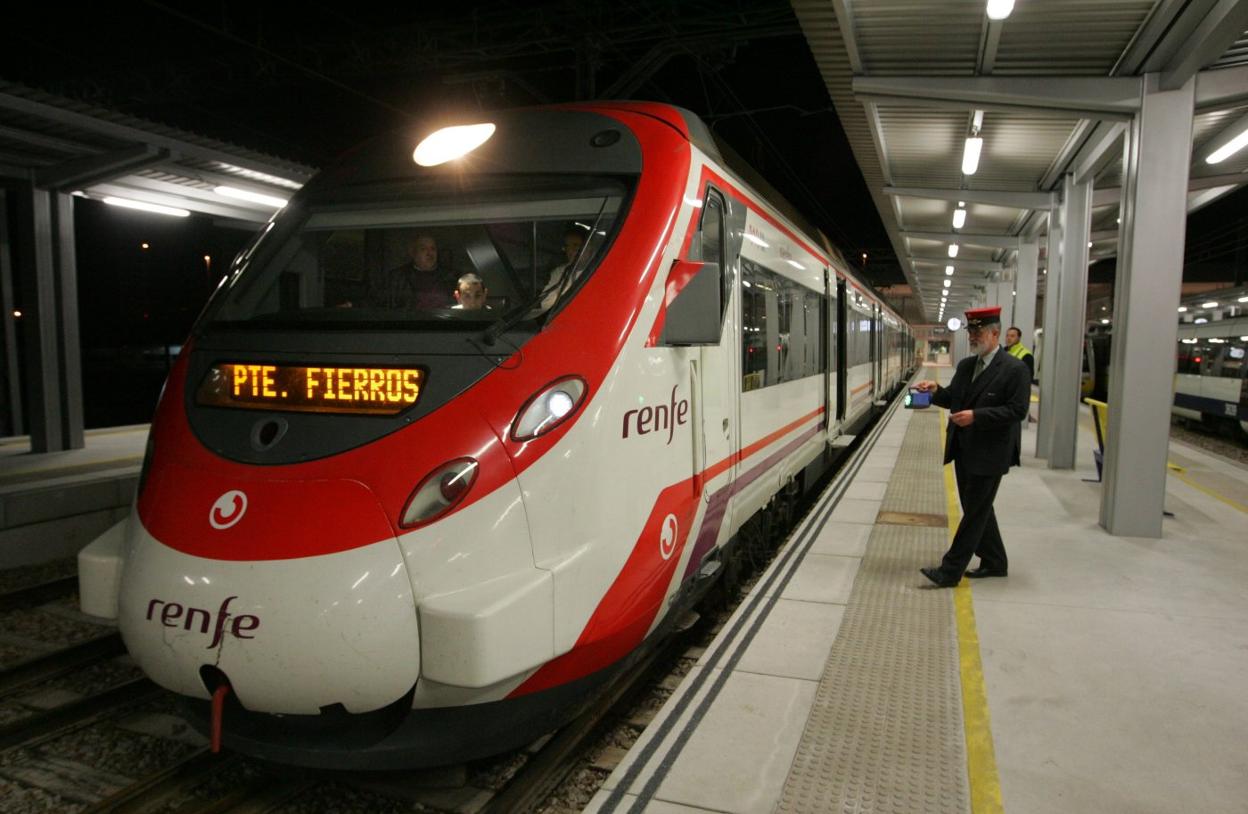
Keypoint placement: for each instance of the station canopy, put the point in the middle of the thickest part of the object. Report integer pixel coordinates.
(91, 152)
(1050, 89)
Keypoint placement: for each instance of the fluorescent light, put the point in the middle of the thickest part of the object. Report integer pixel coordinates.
(1217, 341)
(254, 197)
(1229, 149)
(970, 155)
(948, 271)
(948, 283)
(1188, 341)
(953, 249)
(263, 177)
(1210, 304)
(1200, 321)
(959, 218)
(172, 211)
(1182, 309)
(1242, 299)
(450, 143)
(999, 9)
(1104, 321)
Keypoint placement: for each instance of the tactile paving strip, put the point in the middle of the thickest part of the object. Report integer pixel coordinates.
(885, 733)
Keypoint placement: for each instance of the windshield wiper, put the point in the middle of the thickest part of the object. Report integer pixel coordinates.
(571, 272)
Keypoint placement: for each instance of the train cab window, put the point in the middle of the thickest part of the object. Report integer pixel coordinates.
(384, 256)
(707, 245)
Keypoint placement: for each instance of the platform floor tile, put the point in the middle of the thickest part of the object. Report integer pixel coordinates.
(844, 539)
(821, 578)
(739, 753)
(793, 641)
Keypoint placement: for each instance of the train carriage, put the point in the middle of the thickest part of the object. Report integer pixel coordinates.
(381, 534)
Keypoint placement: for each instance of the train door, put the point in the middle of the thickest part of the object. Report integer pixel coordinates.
(840, 349)
(831, 381)
(719, 379)
(877, 378)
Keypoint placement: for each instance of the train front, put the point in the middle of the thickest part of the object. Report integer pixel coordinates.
(330, 557)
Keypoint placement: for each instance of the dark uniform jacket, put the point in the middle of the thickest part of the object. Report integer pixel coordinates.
(1000, 398)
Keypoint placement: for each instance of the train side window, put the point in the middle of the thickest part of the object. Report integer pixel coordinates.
(1232, 360)
(781, 332)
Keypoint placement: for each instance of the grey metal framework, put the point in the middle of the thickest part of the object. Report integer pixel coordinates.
(51, 150)
(1097, 117)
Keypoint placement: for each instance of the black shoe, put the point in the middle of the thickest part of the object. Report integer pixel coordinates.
(937, 576)
(983, 571)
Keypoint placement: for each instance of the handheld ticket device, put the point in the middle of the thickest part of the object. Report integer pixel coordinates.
(917, 399)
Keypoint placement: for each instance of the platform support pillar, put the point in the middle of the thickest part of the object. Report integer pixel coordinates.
(11, 422)
(1025, 292)
(1071, 323)
(51, 363)
(1146, 297)
(1052, 288)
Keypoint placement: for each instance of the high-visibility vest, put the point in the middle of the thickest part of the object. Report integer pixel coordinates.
(1018, 351)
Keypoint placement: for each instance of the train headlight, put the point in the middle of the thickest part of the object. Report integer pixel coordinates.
(550, 407)
(439, 492)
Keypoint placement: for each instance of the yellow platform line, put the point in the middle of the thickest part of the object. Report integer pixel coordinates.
(981, 757)
(1178, 472)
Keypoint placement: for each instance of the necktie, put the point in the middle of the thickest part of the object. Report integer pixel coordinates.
(979, 368)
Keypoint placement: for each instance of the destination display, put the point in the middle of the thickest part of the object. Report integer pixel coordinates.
(356, 390)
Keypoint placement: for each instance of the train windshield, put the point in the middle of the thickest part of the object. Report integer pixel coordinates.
(382, 257)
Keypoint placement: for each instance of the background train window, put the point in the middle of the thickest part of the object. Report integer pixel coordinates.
(781, 329)
(1232, 362)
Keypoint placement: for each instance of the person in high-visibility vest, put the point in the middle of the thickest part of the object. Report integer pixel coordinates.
(1014, 347)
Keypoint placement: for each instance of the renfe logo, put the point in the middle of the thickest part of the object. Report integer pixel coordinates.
(658, 418)
(173, 614)
(667, 537)
(228, 509)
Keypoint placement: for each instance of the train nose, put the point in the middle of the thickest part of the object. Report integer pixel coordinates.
(295, 634)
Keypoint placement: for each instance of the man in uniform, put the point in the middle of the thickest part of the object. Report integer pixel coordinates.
(987, 399)
(1015, 347)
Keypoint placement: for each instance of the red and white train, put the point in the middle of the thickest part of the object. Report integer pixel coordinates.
(383, 531)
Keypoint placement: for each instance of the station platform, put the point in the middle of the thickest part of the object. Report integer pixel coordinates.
(1103, 674)
(52, 504)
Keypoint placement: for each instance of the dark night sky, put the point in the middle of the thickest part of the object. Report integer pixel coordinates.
(307, 87)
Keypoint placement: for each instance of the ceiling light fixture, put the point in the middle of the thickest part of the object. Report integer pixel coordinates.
(948, 283)
(959, 218)
(953, 249)
(1229, 149)
(126, 203)
(1210, 304)
(970, 154)
(999, 9)
(253, 197)
(948, 271)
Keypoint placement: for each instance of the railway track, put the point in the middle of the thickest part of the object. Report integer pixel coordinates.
(33, 595)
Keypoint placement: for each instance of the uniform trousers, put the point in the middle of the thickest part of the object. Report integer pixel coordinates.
(978, 533)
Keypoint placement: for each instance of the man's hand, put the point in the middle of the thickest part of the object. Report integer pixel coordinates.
(963, 418)
(926, 387)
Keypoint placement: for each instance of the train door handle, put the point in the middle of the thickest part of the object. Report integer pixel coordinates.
(726, 433)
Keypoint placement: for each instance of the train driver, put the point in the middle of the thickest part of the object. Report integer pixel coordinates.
(418, 284)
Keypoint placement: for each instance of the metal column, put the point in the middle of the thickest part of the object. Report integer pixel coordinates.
(11, 408)
(1052, 291)
(1147, 287)
(1071, 322)
(1025, 291)
(51, 366)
